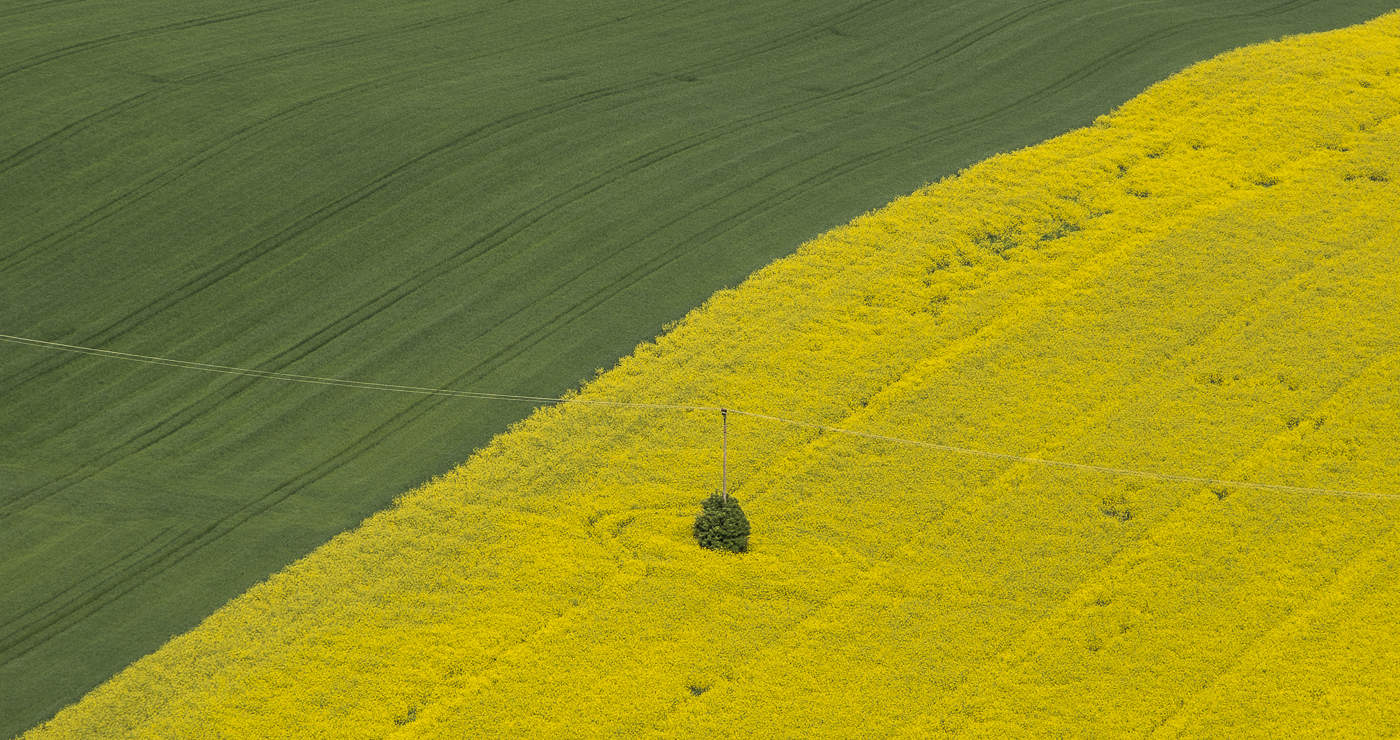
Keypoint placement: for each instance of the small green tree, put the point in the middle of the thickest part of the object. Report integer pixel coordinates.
(722, 525)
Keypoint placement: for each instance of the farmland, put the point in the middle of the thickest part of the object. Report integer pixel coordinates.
(1201, 283)
(495, 195)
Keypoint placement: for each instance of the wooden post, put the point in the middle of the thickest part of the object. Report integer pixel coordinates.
(724, 455)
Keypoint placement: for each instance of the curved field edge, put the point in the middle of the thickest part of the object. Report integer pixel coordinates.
(1200, 282)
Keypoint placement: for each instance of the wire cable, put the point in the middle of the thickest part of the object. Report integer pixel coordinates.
(482, 395)
(341, 382)
(1169, 477)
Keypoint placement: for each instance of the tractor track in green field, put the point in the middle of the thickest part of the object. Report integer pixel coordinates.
(22, 9)
(38, 146)
(23, 634)
(98, 43)
(89, 219)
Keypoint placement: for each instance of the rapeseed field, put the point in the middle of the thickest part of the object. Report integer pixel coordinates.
(1203, 282)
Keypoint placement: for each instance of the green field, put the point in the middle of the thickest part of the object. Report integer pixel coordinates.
(501, 196)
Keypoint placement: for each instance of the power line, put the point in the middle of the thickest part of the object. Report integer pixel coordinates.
(1170, 477)
(482, 395)
(341, 382)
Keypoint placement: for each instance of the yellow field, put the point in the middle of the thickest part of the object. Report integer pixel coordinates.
(1205, 282)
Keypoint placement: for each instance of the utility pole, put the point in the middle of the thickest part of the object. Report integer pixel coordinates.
(724, 455)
